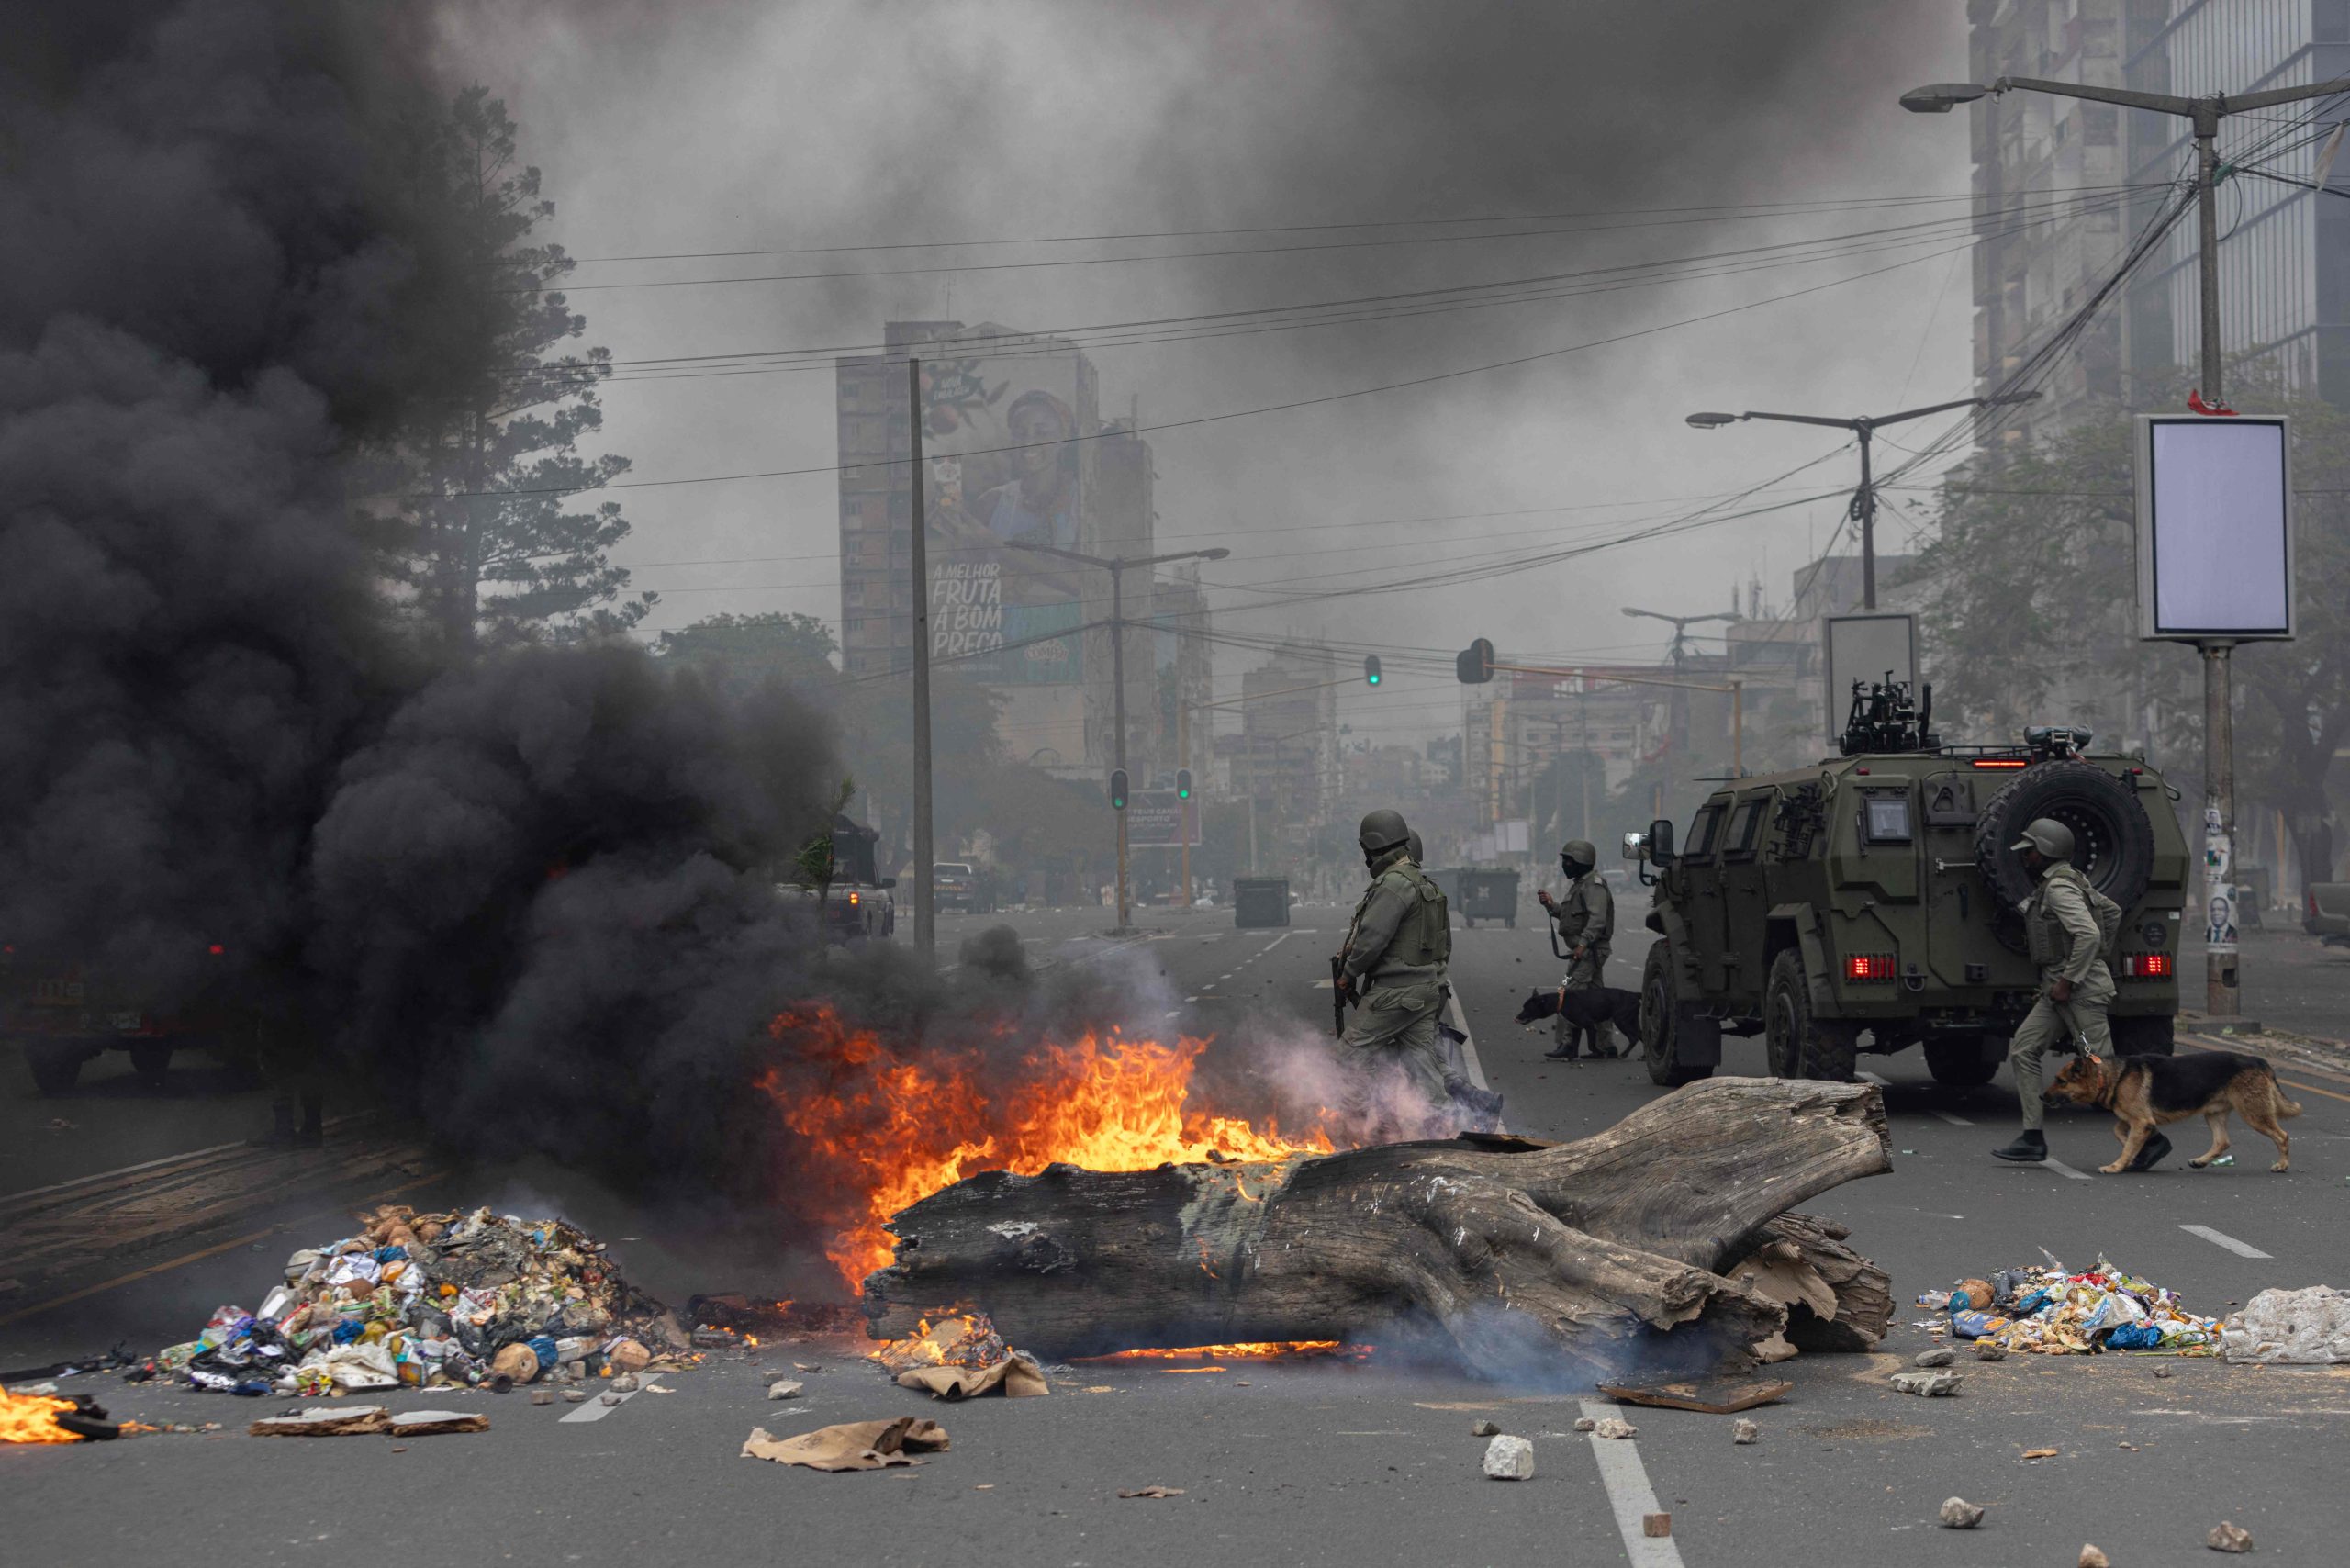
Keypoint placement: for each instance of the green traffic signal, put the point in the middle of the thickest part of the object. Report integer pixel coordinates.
(1370, 669)
(1183, 783)
(1118, 789)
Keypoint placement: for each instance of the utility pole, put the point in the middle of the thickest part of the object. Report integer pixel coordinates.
(2222, 981)
(1863, 508)
(1116, 566)
(925, 910)
(1583, 710)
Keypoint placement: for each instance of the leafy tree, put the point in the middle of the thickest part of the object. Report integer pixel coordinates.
(744, 651)
(497, 545)
(2030, 600)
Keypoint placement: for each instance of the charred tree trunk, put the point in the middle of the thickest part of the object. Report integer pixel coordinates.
(1611, 1250)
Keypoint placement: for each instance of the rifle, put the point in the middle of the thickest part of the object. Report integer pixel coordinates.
(1338, 993)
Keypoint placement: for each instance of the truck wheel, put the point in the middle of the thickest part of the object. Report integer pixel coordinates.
(2113, 842)
(152, 1063)
(1659, 1009)
(1960, 1062)
(55, 1065)
(2143, 1036)
(1797, 1045)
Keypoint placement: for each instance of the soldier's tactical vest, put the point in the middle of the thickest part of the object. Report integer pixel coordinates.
(1425, 935)
(2045, 935)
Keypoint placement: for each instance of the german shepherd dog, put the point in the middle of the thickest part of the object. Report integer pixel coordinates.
(1586, 1009)
(2145, 1092)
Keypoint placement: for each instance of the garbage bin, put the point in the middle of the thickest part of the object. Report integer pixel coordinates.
(1488, 895)
(1259, 901)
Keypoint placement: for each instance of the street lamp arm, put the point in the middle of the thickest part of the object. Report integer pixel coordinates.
(2160, 102)
(1218, 554)
(1934, 409)
(1804, 420)
(2238, 103)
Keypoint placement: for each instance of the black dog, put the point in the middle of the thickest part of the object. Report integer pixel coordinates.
(1585, 1010)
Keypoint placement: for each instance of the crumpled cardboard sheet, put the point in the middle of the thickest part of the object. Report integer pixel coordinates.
(853, 1445)
(1018, 1375)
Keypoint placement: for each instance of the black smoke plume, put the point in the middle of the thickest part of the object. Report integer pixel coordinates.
(531, 895)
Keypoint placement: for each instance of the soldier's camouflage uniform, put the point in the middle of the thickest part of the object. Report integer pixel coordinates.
(1586, 917)
(2060, 922)
(1397, 946)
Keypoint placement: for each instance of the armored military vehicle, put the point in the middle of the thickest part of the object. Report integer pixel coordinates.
(1871, 902)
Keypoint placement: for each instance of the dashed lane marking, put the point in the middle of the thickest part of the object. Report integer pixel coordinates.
(1190, 999)
(2222, 1238)
(1629, 1494)
(1175, 1012)
(2062, 1169)
(1945, 1115)
(1871, 1078)
(596, 1410)
(1275, 943)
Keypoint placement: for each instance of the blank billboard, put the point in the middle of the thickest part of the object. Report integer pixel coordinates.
(2215, 529)
(1866, 648)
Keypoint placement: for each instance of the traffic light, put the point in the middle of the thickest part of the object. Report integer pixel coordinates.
(1474, 663)
(1118, 789)
(1183, 783)
(1370, 669)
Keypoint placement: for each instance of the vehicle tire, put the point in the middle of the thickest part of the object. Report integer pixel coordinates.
(2113, 842)
(1660, 1010)
(152, 1063)
(1958, 1061)
(2144, 1036)
(55, 1065)
(1797, 1045)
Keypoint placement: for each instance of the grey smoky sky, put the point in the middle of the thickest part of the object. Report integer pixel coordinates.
(717, 127)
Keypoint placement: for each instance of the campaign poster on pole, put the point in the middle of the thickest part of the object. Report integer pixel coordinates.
(1159, 819)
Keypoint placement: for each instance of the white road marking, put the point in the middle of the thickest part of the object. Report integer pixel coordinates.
(1190, 999)
(1275, 943)
(1323, 985)
(2062, 1169)
(1176, 1012)
(1945, 1115)
(1468, 1044)
(2222, 1238)
(596, 1410)
(1629, 1494)
(1871, 1078)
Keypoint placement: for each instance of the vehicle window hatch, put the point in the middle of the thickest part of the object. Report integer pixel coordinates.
(1888, 819)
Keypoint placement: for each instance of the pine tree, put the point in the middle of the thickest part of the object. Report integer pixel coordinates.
(497, 544)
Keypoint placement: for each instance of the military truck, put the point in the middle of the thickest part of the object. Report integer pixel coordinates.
(1871, 902)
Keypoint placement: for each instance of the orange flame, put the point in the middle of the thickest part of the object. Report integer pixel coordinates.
(886, 1130)
(32, 1418)
(963, 1340)
(1260, 1350)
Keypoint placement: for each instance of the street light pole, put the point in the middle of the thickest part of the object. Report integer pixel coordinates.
(1116, 566)
(2222, 986)
(925, 903)
(1865, 429)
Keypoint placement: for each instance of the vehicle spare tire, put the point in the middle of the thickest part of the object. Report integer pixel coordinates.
(2113, 843)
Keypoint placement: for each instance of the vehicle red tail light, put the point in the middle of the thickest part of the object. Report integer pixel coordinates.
(1869, 967)
(2147, 966)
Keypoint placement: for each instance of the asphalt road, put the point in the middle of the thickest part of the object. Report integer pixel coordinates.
(1310, 1464)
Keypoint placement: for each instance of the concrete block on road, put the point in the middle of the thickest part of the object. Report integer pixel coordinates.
(1509, 1459)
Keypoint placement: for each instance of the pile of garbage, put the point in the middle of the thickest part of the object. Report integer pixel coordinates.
(2052, 1311)
(433, 1301)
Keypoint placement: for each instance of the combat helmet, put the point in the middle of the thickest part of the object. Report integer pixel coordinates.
(1382, 830)
(2049, 837)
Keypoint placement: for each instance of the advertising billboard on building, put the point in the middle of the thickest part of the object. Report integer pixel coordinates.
(1003, 469)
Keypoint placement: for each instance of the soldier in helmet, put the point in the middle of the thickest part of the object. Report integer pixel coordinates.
(2068, 944)
(1586, 919)
(1393, 963)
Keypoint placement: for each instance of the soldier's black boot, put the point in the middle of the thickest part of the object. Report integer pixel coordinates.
(2151, 1153)
(281, 1125)
(2029, 1148)
(314, 1132)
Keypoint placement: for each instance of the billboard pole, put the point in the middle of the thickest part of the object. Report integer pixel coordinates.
(1118, 715)
(2222, 993)
(925, 911)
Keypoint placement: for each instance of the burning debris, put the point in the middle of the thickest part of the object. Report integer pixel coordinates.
(885, 1124)
(433, 1301)
(1643, 1245)
(53, 1418)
